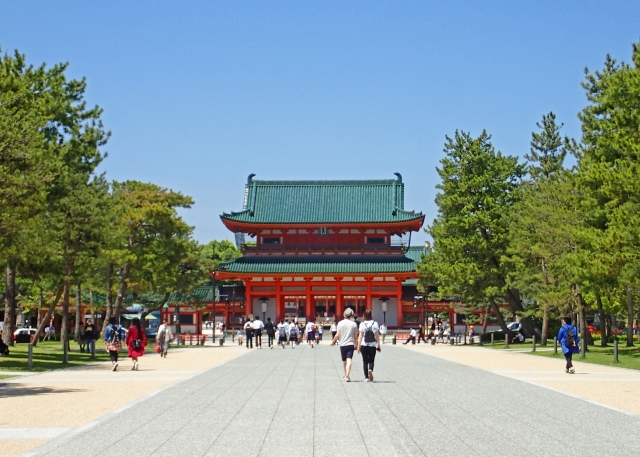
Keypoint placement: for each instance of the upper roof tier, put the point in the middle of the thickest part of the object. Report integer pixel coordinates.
(323, 202)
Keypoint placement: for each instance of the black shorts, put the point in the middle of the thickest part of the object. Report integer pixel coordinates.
(257, 333)
(282, 339)
(347, 352)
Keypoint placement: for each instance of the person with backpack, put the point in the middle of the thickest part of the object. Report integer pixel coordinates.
(310, 330)
(368, 344)
(271, 332)
(136, 342)
(568, 337)
(283, 329)
(248, 333)
(164, 338)
(293, 334)
(113, 337)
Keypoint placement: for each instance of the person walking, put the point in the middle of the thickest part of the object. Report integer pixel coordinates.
(310, 330)
(383, 331)
(113, 337)
(283, 330)
(164, 338)
(257, 326)
(568, 337)
(293, 334)
(333, 329)
(248, 333)
(368, 344)
(421, 335)
(319, 334)
(136, 342)
(271, 332)
(412, 337)
(345, 337)
(90, 337)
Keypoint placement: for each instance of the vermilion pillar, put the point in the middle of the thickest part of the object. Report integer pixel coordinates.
(309, 308)
(339, 300)
(279, 302)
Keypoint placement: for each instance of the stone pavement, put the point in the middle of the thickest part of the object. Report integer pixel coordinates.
(46, 405)
(293, 402)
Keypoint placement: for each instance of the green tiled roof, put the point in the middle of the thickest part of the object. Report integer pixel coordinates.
(320, 264)
(415, 253)
(323, 202)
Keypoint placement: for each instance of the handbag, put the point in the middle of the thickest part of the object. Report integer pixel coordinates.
(157, 348)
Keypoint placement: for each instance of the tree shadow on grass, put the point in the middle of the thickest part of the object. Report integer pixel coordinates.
(21, 390)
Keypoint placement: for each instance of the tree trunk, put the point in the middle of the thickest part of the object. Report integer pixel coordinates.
(44, 322)
(40, 305)
(512, 297)
(108, 299)
(10, 307)
(586, 333)
(603, 322)
(501, 322)
(545, 325)
(64, 328)
(178, 329)
(485, 320)
(122, 288)
(629, 316)
(609, 324)
(76, 333)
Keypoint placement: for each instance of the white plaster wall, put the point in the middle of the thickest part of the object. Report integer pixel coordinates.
(271, 309)
(392, 311)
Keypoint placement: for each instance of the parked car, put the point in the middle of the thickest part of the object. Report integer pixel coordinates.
(24, 335)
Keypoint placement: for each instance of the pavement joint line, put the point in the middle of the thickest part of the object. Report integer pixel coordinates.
(243, 405)
(573, 378)
(351, 407)
(436, 418)
(85, 380)
(208, 405)
(76, 431)
(427, 386)
(275, 413)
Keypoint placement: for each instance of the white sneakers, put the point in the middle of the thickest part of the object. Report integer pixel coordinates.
(114, 367)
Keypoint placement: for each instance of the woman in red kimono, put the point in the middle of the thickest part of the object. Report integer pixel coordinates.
(136, 341)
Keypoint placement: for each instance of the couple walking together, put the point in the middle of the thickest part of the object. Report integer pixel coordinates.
(364, 339)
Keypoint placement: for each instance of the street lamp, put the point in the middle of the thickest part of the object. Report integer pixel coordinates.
(383, 305)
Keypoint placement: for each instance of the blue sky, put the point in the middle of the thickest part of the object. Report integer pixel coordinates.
(200, 94)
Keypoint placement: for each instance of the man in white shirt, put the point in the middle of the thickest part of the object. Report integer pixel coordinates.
(257, 326)
(333, 330)
(310, 330)
(345, 336)
(412, 337)
(383, 331)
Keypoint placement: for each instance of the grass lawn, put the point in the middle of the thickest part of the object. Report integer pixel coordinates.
(47, 355)
(629, 357)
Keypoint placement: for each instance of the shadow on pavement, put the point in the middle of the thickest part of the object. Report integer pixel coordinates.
(20, 390)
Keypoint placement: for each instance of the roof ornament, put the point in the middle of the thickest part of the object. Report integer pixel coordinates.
(250, 178)
(399, 180)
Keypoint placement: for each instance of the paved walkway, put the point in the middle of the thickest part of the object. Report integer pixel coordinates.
(279, 402)
(46, 405)
(614, 387)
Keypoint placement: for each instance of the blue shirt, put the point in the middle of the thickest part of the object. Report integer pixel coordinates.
(562, 337)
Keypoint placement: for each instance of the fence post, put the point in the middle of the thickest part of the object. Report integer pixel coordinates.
(555, 344)
(492, 339)
(533, 344)
(506, 340)
(30, 361)
(615, 351)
